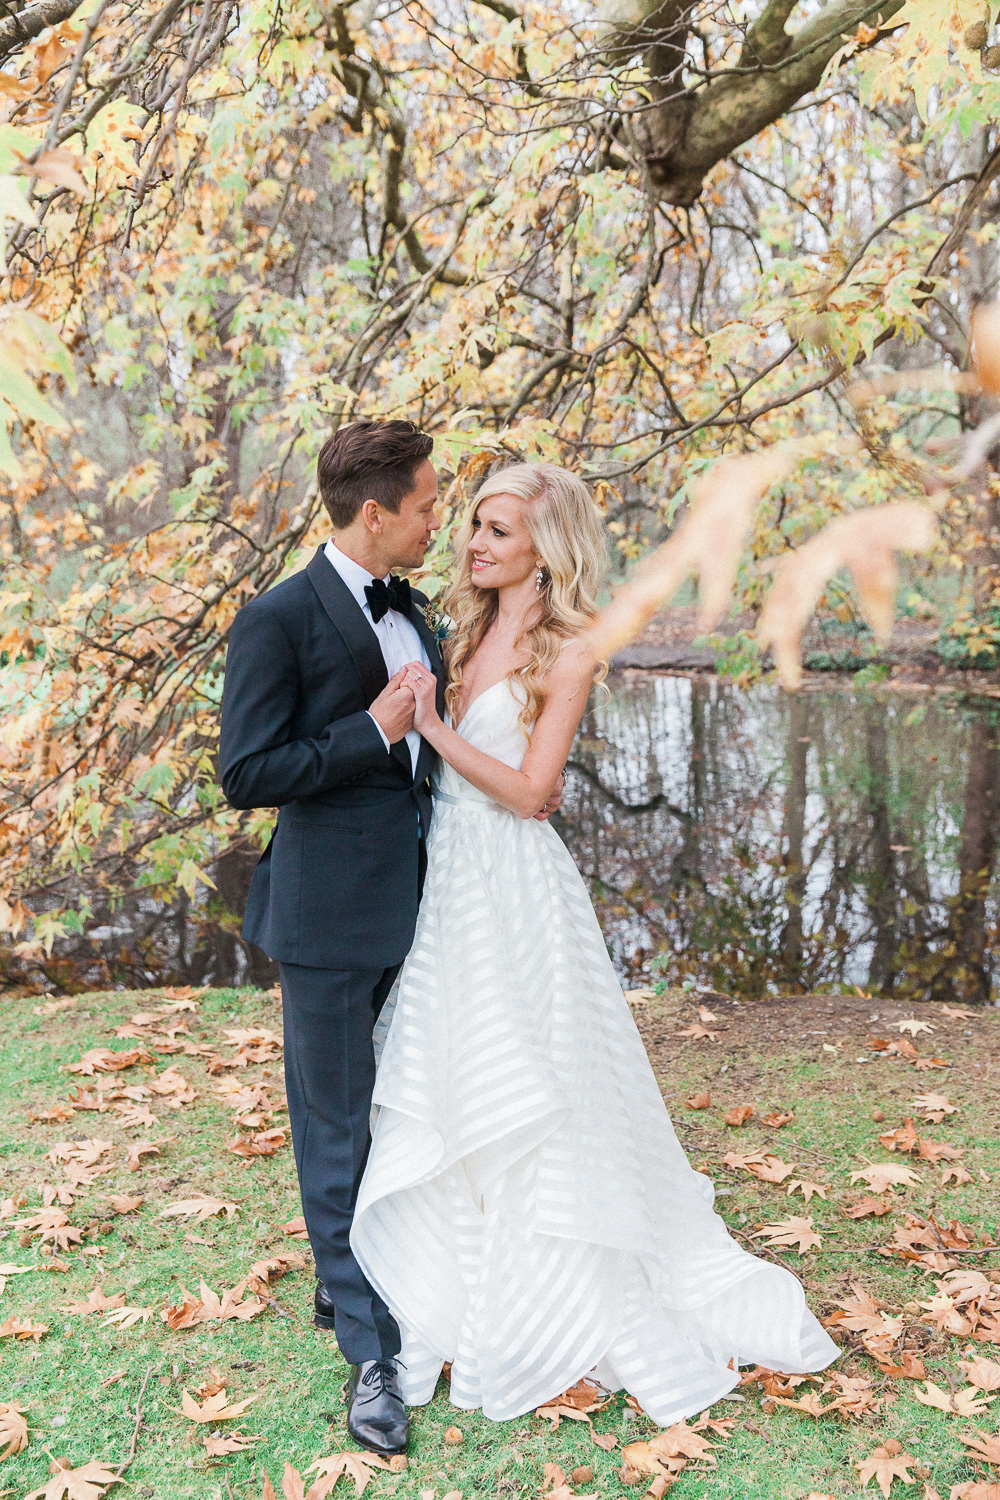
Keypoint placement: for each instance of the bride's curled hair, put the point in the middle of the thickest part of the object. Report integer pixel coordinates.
(565, 528)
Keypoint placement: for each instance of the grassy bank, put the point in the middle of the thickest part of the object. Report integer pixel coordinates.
(79, 1381)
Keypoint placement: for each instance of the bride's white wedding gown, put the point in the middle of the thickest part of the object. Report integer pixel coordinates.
(527, 1211)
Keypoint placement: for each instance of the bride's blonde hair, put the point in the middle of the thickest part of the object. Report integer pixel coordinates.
(566, 531)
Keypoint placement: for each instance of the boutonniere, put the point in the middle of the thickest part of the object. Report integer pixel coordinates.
(440, 625)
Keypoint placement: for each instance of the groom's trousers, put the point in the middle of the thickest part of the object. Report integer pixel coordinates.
(329, 1015)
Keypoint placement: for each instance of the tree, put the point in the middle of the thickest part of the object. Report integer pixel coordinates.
(228, 233)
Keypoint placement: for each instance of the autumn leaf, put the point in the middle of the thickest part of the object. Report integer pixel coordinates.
(913, 1026)
(984, 1373)
(885, 1465)
(199, 1209)
(13, 1428)
(983, 1446)
(138, 1149)
(264, 1143)
(702, 1100)
(956, 1174)
(964, 1403)
(809, 1190)
(8, 1269)
(219, 1444)
(865, 542)
(22, 1329)
(777, 1118)
(356, 1466)
(698, 1033)
(123, 1203)
(886, 1174)
(88, 1482)
(96, 1301)
(215, 1408)
(708, 542)
(739, 1114)
(127, 1317)
(793, 1233)
(935, 1107)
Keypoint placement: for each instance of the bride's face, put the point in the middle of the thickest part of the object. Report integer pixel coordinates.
(503, 553)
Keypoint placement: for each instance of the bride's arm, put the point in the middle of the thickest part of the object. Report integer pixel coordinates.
(524, 791)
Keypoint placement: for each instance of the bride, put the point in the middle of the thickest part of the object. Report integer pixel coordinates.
(527, 1212)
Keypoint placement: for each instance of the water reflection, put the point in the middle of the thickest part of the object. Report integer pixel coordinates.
(760, 843)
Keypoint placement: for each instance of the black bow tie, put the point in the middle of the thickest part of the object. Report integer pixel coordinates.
(385, 596)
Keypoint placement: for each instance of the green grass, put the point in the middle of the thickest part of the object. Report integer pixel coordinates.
(297, 1373)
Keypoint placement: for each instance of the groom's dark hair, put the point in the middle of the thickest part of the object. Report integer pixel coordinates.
(369, 460)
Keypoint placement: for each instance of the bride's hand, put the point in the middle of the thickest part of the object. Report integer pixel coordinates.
(423, 685)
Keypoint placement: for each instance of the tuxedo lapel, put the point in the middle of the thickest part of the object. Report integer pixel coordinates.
(355, 631)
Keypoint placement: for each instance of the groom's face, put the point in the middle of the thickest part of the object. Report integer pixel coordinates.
(406, 535)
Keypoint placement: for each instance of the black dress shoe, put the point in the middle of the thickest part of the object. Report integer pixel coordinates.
(376, 1416)
(324, 1314)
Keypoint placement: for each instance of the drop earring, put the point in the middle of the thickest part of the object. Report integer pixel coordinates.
(539, 579)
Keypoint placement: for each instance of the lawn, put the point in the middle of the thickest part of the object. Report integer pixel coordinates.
(66, 1216)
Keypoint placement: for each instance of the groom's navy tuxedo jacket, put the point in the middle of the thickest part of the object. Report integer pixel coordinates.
(337, 886)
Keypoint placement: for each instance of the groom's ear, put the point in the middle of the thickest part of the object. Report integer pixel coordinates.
(371, 515)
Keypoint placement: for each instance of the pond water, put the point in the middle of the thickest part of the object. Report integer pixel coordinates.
(746, 841)
(758, 843)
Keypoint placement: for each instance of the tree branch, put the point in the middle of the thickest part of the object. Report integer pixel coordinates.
(17, 30)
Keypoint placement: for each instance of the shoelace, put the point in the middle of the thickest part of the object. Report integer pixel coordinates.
(380, 1373)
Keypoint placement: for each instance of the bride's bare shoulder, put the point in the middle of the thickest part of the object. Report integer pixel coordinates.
(572, 671)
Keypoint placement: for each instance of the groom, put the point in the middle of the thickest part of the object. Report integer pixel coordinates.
(316, 722)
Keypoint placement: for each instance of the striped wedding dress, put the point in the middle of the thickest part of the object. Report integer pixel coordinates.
(527, 1212)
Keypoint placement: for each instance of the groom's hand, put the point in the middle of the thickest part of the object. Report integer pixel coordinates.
(392, 710)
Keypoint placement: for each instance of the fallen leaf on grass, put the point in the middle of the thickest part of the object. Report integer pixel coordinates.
(869, 1206)
(53, 1007)
(296, 1228)
(809, 1190)
(739, 1114)
(886, 1174)
(886, 1464)
(984, 1373)
(103, 1060)
(698, 1033)
(124, 1203)
(264, 1143)
(699, 1101)
(209, 1307)
(964, 1403)
(199, 1209)
(974, 1490)
(95, 1302)
(935, 1107)
(663, 1452)
(56, 1114)
(127, 1317)
(910, 1367)
(138, 1149)
(556, 1485)
(263, 1272)
(218, 1444)
(9, 1269)
(215, 1408)
(777, 1118)
(88, 1482)
(22, 1328)
(793, 1233)
(760, 1164)
(641, 996)
(956, 1174)
(810, 1402)
(956, 1015)
(87, 1152)
(576, 1403)
(983, 1445)
(356, 1466)
(182, 997)
(13, 1428)
(913, 1026)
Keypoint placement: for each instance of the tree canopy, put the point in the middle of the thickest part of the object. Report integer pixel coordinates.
(629, 239)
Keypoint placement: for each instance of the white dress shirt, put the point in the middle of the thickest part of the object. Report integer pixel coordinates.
(397, 636)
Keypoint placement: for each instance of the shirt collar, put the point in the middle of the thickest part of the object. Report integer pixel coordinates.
(353, 574)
